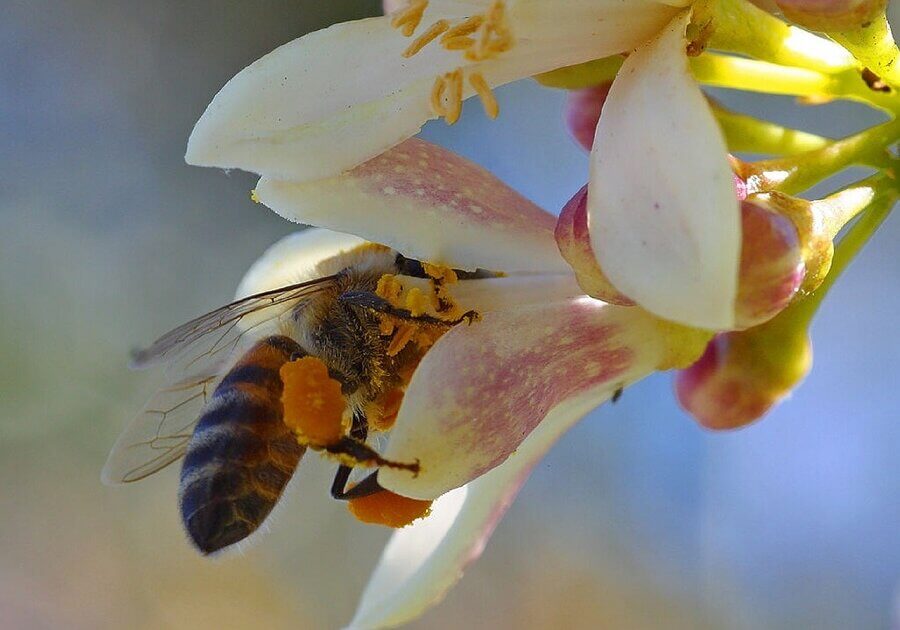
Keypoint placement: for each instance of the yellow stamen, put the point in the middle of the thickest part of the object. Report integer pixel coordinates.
(458, 43)
(426, 38)
(437, 96)
(408, 19)
(488, 100)
(455, 96)
(463, 28)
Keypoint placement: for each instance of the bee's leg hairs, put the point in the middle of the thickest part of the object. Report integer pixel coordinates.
(363, 455)
(374, 302)
(415, 268)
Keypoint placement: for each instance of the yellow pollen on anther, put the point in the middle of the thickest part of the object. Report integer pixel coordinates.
(454, 96)
(463, 42)
(437, 96)
(426, 38)
(408, 19)
(467, 27)
(488, 100)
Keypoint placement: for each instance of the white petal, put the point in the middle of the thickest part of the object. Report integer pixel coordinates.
(332, 99)
(427, 203)
(320, 104)
(423, 561)
(663, 215)
(293, 259)
(484, 388)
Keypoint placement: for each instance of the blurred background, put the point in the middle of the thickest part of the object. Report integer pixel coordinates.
(638, 519)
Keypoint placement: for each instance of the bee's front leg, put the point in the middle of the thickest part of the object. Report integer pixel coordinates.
(374, 302)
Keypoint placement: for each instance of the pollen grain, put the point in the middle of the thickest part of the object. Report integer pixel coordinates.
(389, 509)
(313, 403)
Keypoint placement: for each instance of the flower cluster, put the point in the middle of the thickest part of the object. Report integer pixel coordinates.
(676, 254)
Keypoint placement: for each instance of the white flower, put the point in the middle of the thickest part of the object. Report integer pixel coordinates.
(665, 223)
(488, 399)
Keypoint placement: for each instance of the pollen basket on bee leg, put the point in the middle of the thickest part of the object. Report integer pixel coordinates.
(314, 405)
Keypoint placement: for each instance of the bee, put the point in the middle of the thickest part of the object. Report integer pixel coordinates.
(222, 411)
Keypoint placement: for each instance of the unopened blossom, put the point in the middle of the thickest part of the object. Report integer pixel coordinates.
(583, 109)
(770, 273)
(742, 375)
(488, 399)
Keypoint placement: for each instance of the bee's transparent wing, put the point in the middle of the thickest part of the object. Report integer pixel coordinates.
(196, 354)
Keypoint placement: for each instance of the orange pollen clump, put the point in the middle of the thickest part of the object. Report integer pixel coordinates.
(405, 334)
(441, 273)
(387, 508)
(385, 411)
(313, 402)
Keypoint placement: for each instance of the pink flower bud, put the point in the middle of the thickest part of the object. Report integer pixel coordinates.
(772, 268)
(744, 374)
(583, 109)
(574, 242)
(832, 15)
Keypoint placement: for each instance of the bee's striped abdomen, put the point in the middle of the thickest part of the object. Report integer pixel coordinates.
(241, 454)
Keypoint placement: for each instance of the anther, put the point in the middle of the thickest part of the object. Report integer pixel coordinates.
(427, 37)
(463, 28)
(437, 96)
(408, 19)
(454, 109)
(488, 100)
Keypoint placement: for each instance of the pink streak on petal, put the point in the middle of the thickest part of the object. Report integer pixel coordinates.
(574, 242)
(483, 388)
(419, 170)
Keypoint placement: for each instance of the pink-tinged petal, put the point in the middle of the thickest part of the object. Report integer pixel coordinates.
(428, 203)
(663, 217)
(423, 561)
(583, 109)
(482, 389)
(574, 242)
(744, 374)
(772, 267)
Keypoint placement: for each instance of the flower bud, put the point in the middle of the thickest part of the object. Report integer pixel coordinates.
(817, 223)
(832, 15)
(743, 374)
(582, 112)
(574, 242)
(772, 267)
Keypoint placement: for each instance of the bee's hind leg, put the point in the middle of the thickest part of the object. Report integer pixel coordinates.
(355, 447)
(374, 302)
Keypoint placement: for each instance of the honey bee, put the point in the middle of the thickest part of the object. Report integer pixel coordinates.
(222, 408)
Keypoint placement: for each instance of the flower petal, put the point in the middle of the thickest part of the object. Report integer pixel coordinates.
(320, 104)
(294, 259)
(423, 561)
(664, 219)
(428, 203)
(332, 99)
(483, 388)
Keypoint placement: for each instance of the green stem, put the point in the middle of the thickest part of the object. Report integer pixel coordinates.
(797, 173)
(742, 27)
(752, 135)
(874, 46)
(802, 311)
(759, 76)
